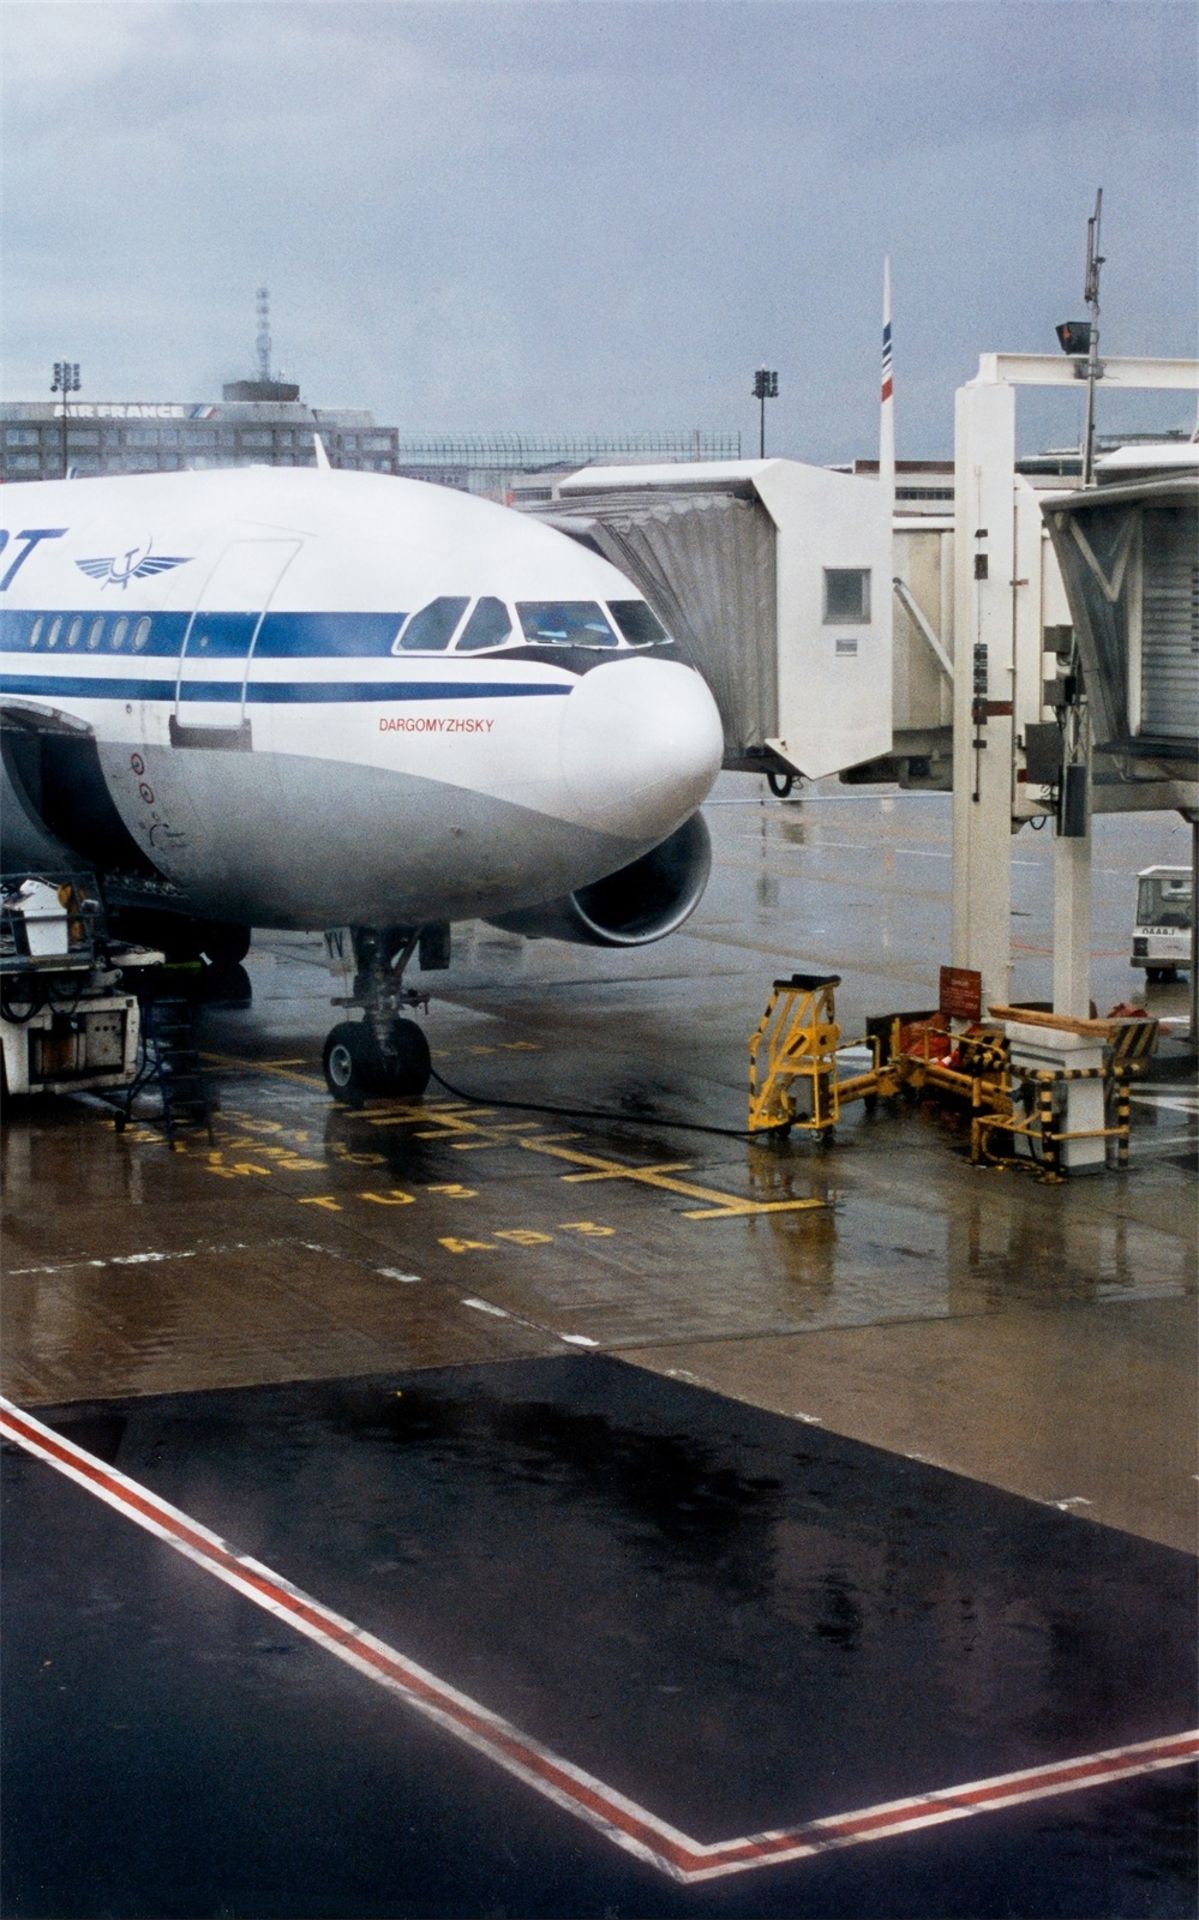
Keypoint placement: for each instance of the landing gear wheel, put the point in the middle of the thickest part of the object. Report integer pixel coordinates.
(352, 1065)
(407, 1072)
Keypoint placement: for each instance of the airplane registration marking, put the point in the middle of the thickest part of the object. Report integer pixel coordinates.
(633, 1828)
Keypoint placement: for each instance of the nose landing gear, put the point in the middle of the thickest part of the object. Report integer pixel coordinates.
(383, 1053)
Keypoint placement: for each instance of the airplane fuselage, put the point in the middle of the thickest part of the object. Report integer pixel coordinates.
(302, 698)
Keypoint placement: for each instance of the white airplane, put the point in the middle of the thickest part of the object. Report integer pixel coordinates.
(275, 697)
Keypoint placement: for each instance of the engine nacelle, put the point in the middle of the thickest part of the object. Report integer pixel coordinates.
(644, 901)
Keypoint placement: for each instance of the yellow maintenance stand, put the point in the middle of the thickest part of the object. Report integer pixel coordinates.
(793, 1060)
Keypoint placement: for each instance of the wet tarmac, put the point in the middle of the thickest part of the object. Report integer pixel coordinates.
(759, 1483)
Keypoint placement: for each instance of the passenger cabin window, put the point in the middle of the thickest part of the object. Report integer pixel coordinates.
(638, 623)
(431, 629)
(119, 632)
(35, 631)
(55, 630)
(565, 623)
(141, 633)
(489, 625)
(846, 596)
(95, 633)
(74, 630)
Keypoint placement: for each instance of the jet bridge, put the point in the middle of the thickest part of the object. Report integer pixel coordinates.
(775, 579)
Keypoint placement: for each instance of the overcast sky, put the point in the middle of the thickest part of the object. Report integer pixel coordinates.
(578, 216)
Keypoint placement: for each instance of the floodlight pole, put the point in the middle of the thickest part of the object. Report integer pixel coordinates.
(66, 381)
(766, 387)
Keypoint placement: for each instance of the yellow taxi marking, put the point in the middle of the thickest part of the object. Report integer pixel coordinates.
(264, 1066)
(470, 1129)
(727, 1205)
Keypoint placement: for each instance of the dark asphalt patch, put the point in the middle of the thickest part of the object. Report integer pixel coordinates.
(739, 1622)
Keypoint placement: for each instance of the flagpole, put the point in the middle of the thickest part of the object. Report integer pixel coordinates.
(886, 422)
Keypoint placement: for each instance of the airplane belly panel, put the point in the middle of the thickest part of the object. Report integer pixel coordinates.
(293, 841)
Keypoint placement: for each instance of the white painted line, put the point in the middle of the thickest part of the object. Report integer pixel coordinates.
(603, 1808)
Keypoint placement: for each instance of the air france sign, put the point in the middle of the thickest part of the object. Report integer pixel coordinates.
(140, 410)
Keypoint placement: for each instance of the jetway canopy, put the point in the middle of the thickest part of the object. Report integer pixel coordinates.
(1129, 555)
(775, 580)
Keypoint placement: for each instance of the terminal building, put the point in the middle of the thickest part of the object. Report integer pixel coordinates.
(155, 436)
(265, 423)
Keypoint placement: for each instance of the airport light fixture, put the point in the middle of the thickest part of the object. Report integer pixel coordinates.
(1080, 339)
(766, 387)
(66, 381)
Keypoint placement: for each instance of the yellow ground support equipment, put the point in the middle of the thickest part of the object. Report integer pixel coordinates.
(793, 1060)
(1034, 1103)
(794, 1083)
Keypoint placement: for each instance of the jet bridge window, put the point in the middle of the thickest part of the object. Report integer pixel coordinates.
(490, 624)
(846, 596)
(565, 623)
(638, 623)
(431, 628)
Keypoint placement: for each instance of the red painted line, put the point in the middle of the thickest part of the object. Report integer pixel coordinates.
(622, 1821)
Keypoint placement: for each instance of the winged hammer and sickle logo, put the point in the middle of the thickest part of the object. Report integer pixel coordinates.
(138, 563)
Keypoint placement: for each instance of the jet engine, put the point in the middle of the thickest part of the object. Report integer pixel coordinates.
(644, 901)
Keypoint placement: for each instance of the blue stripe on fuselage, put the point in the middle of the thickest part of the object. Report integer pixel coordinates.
(281, 636)
(46, 686)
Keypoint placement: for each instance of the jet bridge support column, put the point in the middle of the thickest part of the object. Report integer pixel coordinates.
(1072, 924)
(984, 622)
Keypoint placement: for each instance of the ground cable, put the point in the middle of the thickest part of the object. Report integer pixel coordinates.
(624, 1119)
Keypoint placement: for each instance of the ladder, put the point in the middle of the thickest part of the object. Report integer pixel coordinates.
(171, 1062)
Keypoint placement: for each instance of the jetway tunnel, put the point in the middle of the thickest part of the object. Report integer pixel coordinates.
(828, 630)
(775, 579)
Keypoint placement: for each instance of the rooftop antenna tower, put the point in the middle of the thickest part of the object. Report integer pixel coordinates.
(264, 333)
(263, 309)
(265, 386)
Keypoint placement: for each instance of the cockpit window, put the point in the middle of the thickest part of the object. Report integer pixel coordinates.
(638, 623)
(490, 624)
(565, 623)
(431, 629)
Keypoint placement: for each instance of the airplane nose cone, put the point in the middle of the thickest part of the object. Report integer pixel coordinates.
(641, 744)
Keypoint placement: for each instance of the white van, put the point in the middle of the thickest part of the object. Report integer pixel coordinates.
(1161, 938)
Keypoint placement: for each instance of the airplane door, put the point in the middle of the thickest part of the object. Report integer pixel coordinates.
(214, 659)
